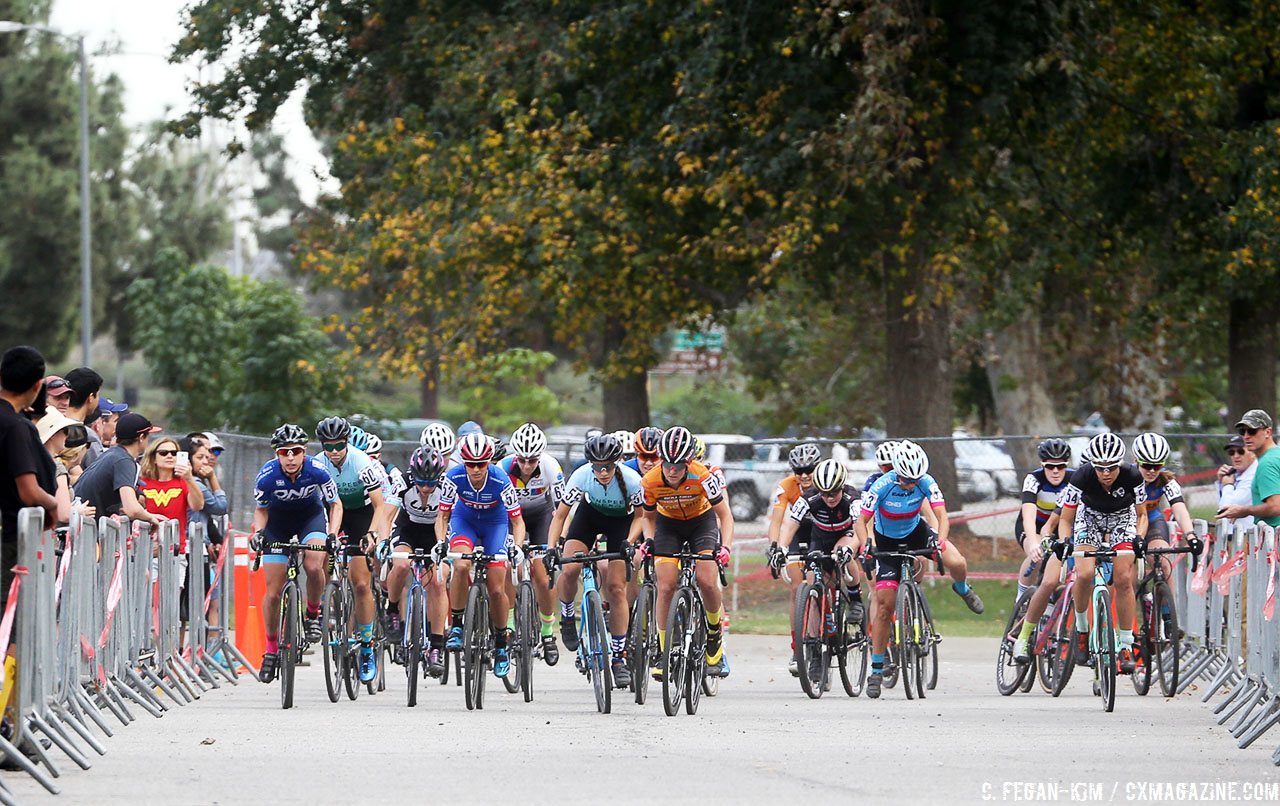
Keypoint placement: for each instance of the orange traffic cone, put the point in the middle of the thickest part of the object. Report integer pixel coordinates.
(250, 638)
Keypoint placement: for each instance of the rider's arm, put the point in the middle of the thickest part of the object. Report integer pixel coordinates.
(789, 528)
(1029, 519)
(1182, 516)
(380, 513)
(557, 524)
(930, 516)
(648, 523)
(860, 527)
(1067, 523)
(335, 516)
(725, 515)
(777, 514)
(637, 525)
(259, 518)
(442, 528)
(944, 522)
(517, 529)
(1141, 527)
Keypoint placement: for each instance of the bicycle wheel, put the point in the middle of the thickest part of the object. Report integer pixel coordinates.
(904, 638)
(331, 618)
(1105, 636)
(378, 641)
(1060, 646)
(1142, 647)
(350, 653)
(890, 678)
(696, 660)
(475, 646)
(929, 639)
(414, 625)
(290, 638)
(675, 656)
(527, 635)
(597, 650)
(1010, 674)
(922, 639)
(1165, 651)
(642, 642)
(856, 654)
(808, 636)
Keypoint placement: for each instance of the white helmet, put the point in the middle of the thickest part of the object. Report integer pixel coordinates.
(910, 461)
(1151, 449)
(884, 452)
(626, 439)
(829, 475)
(438, 436)
(476, 447)
(528, 440)
(1104, 449)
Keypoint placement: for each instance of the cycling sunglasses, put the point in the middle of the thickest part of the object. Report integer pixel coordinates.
(290, 451)
(1150, 466)
(1055, 466)
(600, 468)
(332, 447)
(1106, 468)
(427, 482)
(675, 465)
(807, 470)
(476, 464)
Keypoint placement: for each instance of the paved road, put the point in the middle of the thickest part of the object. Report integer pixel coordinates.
(770, 743)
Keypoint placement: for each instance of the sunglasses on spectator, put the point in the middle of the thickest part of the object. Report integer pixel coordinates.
(330, 447)
(1055, 466)
(1235, 452)
(476, 464)
(1150, 466)
(807, 470)
(290, 451)
(600, 468)
(167, 452)
(1250, 431)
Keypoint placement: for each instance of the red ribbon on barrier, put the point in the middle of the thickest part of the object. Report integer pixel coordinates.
(10, 610)
(1200, 582)
(1269, 606)
(62, 571)
(114, 594)
(1228, 569)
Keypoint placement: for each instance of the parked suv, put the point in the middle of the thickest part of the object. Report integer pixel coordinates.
(750, 480)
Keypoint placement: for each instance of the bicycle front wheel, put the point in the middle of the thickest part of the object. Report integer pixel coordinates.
(350, 654)
(696, 660)
(1165, 650)
(415, 611)
(904, 639)
(597, 650)
(475, 646)
(642, 642)
(1010, 674)
(332, 619)
(808, 638)
(290, 641)
(527, 635)
(1060, 646)
(855, 653)
(1105, 646)
(675, 656)
(1142, 646)
(922, 638)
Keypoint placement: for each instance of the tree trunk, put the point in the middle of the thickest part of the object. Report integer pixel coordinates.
(1019, 384)
(626, 398)
(1251, 358)
(918, 367)
(429, 391)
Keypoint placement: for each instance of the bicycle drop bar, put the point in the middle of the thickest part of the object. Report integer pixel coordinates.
(1195, 558)
(685, 556)
(583, 559)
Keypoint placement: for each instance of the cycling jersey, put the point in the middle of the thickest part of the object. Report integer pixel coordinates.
(541, 491)
(786, 493)
(311, 491)
(358, 476)
(828, 520)
(872, 479)
(698, 492)
(416, 508)
(610, 499)
(897, 511)
(1160, 490)
(634, 464)
(494, 501)
(396, 482)
(1084, 489)
(1037, 490)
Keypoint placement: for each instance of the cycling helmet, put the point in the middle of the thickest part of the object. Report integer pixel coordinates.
(359, 439)
(626, 439)
(1151, 449)
(499, 449)
(699, 449)
(884, 452)
(288, 434)
(647, 440)
(333, 429)
(829, 475)
(677, 445)
(469, 427)
(476, 447)
(528, 440)
(910, 461)
(375, 444)
(603, 448)
(1054, 450)
(1105, 449)
(806, 454)
(426, 464)
(438, 436)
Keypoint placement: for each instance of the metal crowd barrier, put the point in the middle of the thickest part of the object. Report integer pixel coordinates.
(98, 628)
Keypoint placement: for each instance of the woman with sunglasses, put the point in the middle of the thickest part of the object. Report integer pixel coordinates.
(646, 450)
(168, 487)
(609, 497)
(1235, 479)
(415, 528)
(1040, 491)
(1162, 491)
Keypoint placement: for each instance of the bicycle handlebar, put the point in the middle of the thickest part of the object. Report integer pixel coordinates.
(684, 556)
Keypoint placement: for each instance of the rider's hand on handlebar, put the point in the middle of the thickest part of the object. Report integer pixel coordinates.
(1061, 549)
(844, 555)
(722, 556)
(551, 559)
(777, 559)
(383, 550)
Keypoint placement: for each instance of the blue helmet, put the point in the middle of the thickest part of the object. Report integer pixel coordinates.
(469, 427)
(359, 438)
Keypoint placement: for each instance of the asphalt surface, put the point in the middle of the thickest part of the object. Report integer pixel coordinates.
(760, 740)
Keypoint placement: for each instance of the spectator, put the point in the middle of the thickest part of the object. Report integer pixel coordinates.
(110, 484)
(105, 426)
(27, 475)
(1256, 432)
(168, 486)
(85, 384)
(56, 430)
(1235, 479)
(57, 393)
(215, 447)
(215, 506)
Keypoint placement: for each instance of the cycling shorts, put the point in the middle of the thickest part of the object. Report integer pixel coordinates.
(537, 525)
(308, 527)
(356, 524)
(800, 541)
(414, 535)
(466, 534)
(588, 522)
(698, 534)
(1158, 530)
(888, 571)
(1092, 526)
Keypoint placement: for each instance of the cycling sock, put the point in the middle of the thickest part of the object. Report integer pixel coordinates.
(365, 631)
(393, 607)
(567, 610)
(714, 620)
(499, 639)
(273, 644)
(548, 624)
(1125, 637)
(1028, 627)
(511, 620)
(1082, 621)
(455, 618)
(1022, 589)
(435, 641)
(877, 663)
(313, 610)
(960, 587)
(662, 640)
(618, 645)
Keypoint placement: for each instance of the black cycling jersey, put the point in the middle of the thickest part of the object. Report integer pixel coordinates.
(827, 519)
(1084, 488)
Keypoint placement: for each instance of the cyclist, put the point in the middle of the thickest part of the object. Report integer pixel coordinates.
(1040, 491)
(464, 430)
(609, 498)
(1162, 490)
(683, 500)
(1104, 500)
(292, 492)
(414, 528)
(891, 511)
(627, 440)
(397, 483)
(476, 506)
(440, 437)
(830, 511)
(884, 459)
(539, 484)
(646, 449)
(803, 458)
(364, 490)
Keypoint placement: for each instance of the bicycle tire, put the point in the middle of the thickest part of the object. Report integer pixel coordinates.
(929, 640)
(330, 617)
(1142, 648)
(596, 634)
(1062, 642)
(922, 639)
(350, 655)
(642, 642)
(696, 662)
(290, 647)
(1009, 673)
(475, 629)
(904, 630)
(674, 657)
(890, 677)
(858, 645)
(1106, 649)
(379, 639)
(1166, 650)
(528, 633)
(808, 637)
(1027, 683)
(414, 661)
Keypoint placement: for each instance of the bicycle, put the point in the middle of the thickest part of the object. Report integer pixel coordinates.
(477, 632)
(685, 660)
(594, 654)
(337, 608)
(1055, 638)
(416, 626)
(526, 644)
(823, 632)
(915, 637)
(1010, 675)
(1103, 650)
(1158, 636)
(643, 651)
(292, 635)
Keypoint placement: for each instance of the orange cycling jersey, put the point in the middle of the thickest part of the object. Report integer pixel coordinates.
(700, 491)
(786, 493)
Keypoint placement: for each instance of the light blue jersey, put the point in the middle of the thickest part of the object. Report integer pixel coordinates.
(608, 500)
(358, 476)
(897, 511)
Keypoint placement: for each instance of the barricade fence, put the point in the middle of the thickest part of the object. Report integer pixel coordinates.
(108, 618)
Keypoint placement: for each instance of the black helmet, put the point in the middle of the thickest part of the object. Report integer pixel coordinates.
(1054, 450)
(426, 464)
(647, 440)
(288, 434)
(499, 449)
(603, 448)
(333, 429)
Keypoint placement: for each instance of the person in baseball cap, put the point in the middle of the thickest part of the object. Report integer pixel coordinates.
(133, 426)
(1253, 420)
(1255, 430)
(57, 393)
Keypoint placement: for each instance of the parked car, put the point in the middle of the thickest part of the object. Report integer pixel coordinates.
(750, 487)
(976, 458)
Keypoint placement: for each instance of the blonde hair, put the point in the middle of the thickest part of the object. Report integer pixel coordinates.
(149, 468)
(72, 456)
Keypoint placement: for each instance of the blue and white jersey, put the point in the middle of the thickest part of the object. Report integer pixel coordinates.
(312, 490)
(897, 511)
(495, 500)
(358, 476)
(872, 479)
(541, 491)
(608, 500)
